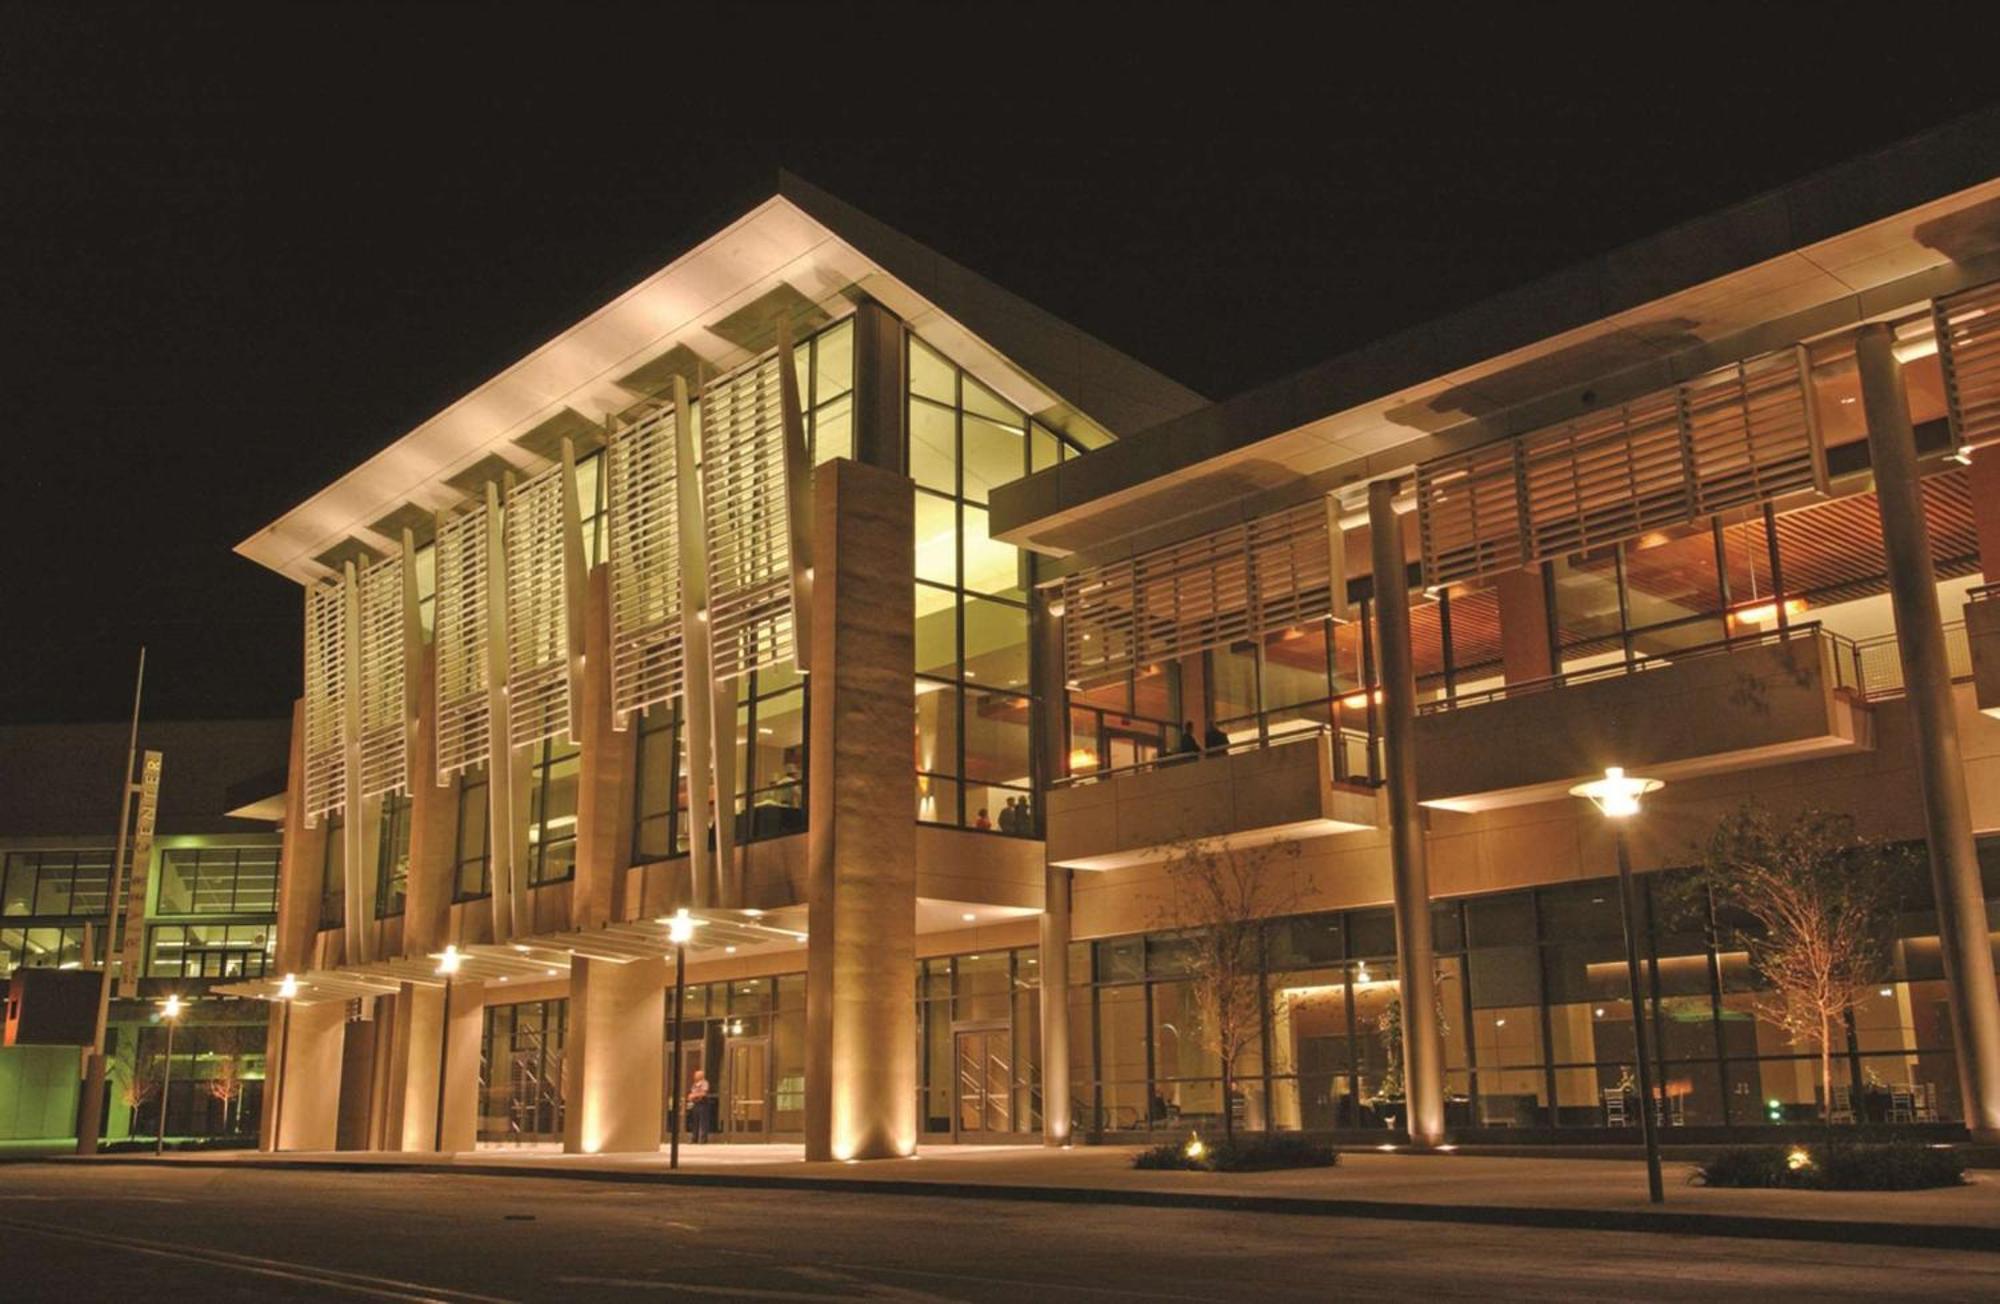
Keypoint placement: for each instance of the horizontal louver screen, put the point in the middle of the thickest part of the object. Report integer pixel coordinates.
(1968, 335)
(1470, 511)
(1740, 435)
(648, 661)
(538, 705)
(460, 639)
(1236, 583)
(384, 732)
(749, 521)
(325, 701)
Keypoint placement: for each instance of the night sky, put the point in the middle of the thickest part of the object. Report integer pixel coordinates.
(242, 250)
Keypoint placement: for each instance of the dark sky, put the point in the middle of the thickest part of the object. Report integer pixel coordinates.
(241, 250)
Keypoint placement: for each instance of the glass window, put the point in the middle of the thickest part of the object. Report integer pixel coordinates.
(474, 876)
(392, 856)
(552, 814)
(660, 786)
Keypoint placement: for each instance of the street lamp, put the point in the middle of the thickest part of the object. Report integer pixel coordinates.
(680, 931)
(447, 966)
(288, 991)
(170, 1010)
(1617, 795)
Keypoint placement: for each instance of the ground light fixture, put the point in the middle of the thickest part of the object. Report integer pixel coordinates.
(1617, 795)
(170, 1014)
(448, 965)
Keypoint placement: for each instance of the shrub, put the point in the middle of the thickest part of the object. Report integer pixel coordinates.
(1837, 1166)
(1253, 1152)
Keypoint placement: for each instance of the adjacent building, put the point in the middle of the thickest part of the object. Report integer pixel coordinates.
(898, 634)
(201, 911)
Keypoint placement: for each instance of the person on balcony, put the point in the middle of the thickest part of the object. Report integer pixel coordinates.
(1187, 745)
(1215, 741)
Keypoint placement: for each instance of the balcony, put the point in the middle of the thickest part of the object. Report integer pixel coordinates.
(1282, 786)
(1982, 646)
(1763, 699)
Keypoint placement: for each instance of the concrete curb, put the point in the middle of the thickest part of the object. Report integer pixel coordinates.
(1935, 1236)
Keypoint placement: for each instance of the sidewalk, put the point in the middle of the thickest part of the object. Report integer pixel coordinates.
(1596, 1194)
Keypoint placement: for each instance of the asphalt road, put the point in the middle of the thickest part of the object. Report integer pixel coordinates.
(135, 1234)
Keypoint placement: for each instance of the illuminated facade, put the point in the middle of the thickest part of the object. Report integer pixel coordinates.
(897, 631)
(201, 914)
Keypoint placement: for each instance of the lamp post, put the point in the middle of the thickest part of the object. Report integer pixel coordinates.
(171, 1012)
(288, 991)
(680, 931)
(1617, 796)
(447, 966)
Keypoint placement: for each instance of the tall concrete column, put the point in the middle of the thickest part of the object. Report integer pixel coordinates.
(357, 1084)
(1423, 1067)
(309, 1075)
(861, 1032)
(1056, 1121)
(1961, 902)
(613, 1057)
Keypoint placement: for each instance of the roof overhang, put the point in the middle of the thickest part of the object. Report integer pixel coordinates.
(1862, 240)
(800, 252)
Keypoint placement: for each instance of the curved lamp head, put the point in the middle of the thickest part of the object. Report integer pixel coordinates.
(289, 988)
(1617, 793)
(448, 962)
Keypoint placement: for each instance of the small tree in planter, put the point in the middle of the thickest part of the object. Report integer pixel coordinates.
(1220, 896)
(138, 1084)
(1820, 901)
(225, 1082)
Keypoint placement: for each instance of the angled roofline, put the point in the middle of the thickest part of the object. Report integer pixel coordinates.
(1052, 369)
(1733, 241)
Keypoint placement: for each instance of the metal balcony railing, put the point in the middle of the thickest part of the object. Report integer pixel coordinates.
(1356, 752)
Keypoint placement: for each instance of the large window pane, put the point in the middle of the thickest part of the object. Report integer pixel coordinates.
(934, 446)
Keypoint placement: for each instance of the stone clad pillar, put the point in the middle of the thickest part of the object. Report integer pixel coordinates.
(606, 768)
(861, 1033)
(310, 1076)
(421, 1007)
(1961, 901)
(613, 1057)
(1423, 1059)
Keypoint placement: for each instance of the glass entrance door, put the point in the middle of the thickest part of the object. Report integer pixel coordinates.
(746, 1089)
(984, 1078)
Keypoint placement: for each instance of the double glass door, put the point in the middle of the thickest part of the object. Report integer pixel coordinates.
(746, 1088)
(984, 1079)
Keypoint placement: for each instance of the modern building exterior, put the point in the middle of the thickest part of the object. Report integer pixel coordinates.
(899, 634)
(201, 912)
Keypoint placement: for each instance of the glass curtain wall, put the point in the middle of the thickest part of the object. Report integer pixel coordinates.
(45, 899)
(1536, 1022)
(974, 714)
(747, 1036)
(979, 1043)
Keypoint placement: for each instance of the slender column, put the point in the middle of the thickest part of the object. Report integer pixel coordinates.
(425, 1009)
(604, 782)
(433, 828)
(360, 822)
(697, 699)
(1056, 1122)
(614, 1055)
(501, 849)
(881, 388)
(1961, 902)
(861, 1033)
(1423, 1076)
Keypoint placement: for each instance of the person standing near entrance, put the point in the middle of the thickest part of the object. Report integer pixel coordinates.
(698, 1101)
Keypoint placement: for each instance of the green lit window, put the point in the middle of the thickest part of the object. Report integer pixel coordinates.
(209, 950)
(40, 883)
(218, 881)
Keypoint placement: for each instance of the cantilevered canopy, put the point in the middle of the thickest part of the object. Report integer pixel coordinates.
(543, 956)
(802, 256)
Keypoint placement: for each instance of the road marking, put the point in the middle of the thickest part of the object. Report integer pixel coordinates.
(353, 1282)
(691, 1288)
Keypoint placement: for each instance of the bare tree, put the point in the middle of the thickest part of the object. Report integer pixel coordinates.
(1812, 902)
(138, 1083)
(1220, 896)
(229, 1045)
